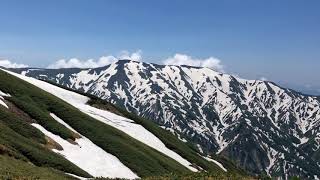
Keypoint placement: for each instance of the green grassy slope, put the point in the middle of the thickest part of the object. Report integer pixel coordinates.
(21, 144)
(11, 168)
(20, 126)
(140, 158)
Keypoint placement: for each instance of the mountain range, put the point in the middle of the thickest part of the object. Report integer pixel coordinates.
(260, 126)
(51, 132)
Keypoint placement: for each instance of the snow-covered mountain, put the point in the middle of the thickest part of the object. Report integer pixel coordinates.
(259, 125)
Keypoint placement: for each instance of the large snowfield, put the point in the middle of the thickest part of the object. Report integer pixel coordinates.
(90, 157)
(87, 147)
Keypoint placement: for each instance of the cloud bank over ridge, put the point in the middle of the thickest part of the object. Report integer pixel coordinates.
(91, 63)
(8, 64)
(183, 59)
(176, 59)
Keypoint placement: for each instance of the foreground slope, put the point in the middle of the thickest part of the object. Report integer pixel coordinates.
(16, 169)
(260, 125)
(69, 121)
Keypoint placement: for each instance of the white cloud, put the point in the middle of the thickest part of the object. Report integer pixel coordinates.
(177, 59)
(8, 64)
(136, 56)
(264, 79)
(182, 59)
(91, 63)
(76, 63)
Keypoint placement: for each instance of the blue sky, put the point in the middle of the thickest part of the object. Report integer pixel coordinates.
(275, 39)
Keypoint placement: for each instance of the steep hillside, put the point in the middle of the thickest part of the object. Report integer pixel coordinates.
(258, 124)
(39, 122)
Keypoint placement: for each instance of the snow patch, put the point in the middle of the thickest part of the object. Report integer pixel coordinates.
(2, 94)
(303, 140)
(78, 177)
(89, 156)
